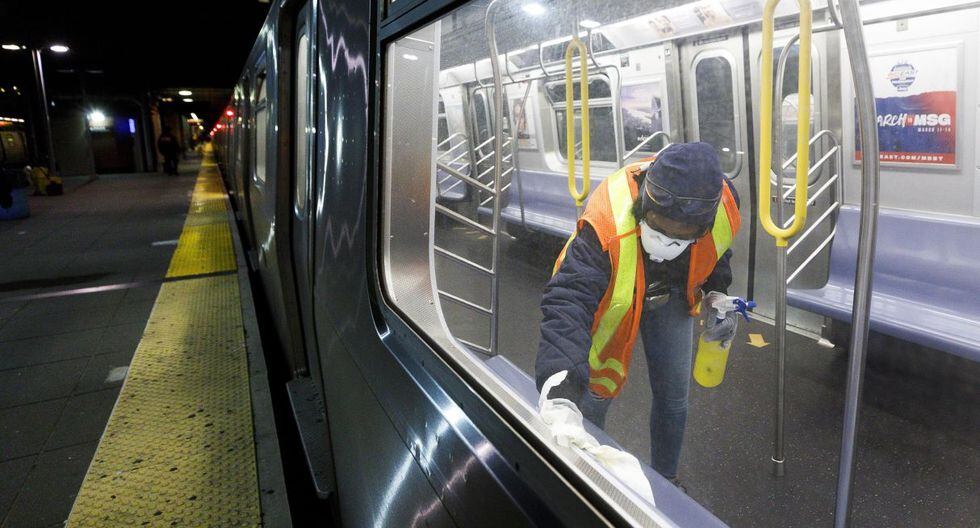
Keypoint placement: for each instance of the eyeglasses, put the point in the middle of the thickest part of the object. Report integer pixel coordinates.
(687, 204)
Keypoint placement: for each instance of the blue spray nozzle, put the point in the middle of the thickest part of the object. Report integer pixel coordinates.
(742, 306)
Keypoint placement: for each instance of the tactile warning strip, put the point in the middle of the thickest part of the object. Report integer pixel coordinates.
(205, 244)
(178, 449)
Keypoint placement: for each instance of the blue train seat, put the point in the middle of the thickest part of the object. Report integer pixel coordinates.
(452, 189)
(547, 205)
(674, 503)
(926, 279)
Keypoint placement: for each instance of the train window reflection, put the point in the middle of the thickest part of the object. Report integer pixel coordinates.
(261, 129)
(713, 79)
(301, 115)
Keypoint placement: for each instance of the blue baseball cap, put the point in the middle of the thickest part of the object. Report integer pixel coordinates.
(684, 184)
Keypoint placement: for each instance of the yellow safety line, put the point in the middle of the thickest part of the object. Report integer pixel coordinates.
(205, 244)
(178, 449)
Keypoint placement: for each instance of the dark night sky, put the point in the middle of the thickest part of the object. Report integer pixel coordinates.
(134, 46)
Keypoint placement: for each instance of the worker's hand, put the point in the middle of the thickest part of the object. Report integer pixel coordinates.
(718, 329)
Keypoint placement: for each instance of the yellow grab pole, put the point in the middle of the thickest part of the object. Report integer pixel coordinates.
(579, 196)
(780, 233)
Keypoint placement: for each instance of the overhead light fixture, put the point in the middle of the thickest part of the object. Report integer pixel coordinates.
(58, 48)
(97, 121)
(185, 93)
(187, 100)
(534, 9)
(194, 117)
(12, 47)
(409, 56)
(166, 99)
(588, 23)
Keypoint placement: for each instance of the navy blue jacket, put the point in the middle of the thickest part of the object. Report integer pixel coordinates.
(572, 297)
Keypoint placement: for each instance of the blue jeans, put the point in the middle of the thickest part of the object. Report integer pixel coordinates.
(667, 333)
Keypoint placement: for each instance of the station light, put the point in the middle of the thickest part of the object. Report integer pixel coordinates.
(13, 47)
(58, 48)
(187, 100)
(194, 117)
(185, 93)
(534, 9)
(166, 99)
(588, 23)
(230, 113)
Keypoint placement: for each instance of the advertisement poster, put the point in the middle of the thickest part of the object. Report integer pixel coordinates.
(915, 93)
(642, 114)
(522, 125)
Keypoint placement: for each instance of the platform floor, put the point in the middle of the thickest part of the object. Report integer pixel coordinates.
(68, 329)
(919, 438)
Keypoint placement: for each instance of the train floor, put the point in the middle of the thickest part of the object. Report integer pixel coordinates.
(918, 444)
(117, 302)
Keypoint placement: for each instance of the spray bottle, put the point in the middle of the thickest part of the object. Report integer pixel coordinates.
(712, 356)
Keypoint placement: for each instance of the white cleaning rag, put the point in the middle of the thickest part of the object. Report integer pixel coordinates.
(565, 421)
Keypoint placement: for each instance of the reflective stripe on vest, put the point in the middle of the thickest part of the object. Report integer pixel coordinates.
(722, 232)
(621, 200)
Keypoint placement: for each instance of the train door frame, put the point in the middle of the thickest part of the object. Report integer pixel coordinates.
(689, 54)
(301, 23)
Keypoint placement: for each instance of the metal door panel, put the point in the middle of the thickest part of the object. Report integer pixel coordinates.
(695, 53)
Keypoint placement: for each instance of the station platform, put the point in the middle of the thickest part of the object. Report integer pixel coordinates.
(168, 420)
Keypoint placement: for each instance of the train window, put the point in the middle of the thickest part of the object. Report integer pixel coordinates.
(791, 101)
(714, 83)
(301, 113)
(259, 134)
(602, 135)
(442, 143)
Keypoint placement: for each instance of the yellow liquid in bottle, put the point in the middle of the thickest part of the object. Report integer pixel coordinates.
(710, 362)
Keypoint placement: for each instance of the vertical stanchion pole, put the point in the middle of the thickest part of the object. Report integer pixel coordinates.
(861, 310)
(45, 119)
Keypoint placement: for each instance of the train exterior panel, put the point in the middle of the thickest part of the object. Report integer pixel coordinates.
(403, 200)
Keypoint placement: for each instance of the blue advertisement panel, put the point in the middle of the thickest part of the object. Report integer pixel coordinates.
(916, 103)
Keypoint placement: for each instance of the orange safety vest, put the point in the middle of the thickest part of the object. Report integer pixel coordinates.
(617, 320)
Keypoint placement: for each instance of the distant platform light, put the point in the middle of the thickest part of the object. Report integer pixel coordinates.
(194, 117)
(98, 121)
(230, 113)
(588, 23)
(167, 99)
(58, 48)
(534, 9)
(12, 47)
(187, 100)
(185, 93)
(132, 126)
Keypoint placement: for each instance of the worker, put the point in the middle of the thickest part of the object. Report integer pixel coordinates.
(649, 244)
(169, 147)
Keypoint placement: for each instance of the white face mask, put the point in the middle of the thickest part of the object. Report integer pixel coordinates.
(659, 246)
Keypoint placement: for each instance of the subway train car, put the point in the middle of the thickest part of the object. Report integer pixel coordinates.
(403, 177)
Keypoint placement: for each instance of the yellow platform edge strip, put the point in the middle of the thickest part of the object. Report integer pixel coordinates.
(178, 449)
(205, 244)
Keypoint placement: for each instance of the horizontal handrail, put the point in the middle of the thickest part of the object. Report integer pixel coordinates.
(450, 138)
(462, 219)
(465, 177)
(823, 133)
(808, 260)
(833, 207)
(481, 348)
(461, 259)
(481, 145)
(813, 199)
(464, 302)
(816, 166)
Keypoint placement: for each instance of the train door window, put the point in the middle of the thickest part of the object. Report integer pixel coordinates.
(260, 133)
(714, 82)
(790, 103)
(442, 138)
(301, 115)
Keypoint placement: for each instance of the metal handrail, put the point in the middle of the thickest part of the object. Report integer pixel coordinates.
(780, 233)
(461, 259)
(861, 309)
(450, 138)
(648, 139)
(464, 177)
(578, 195)
(464, 302)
